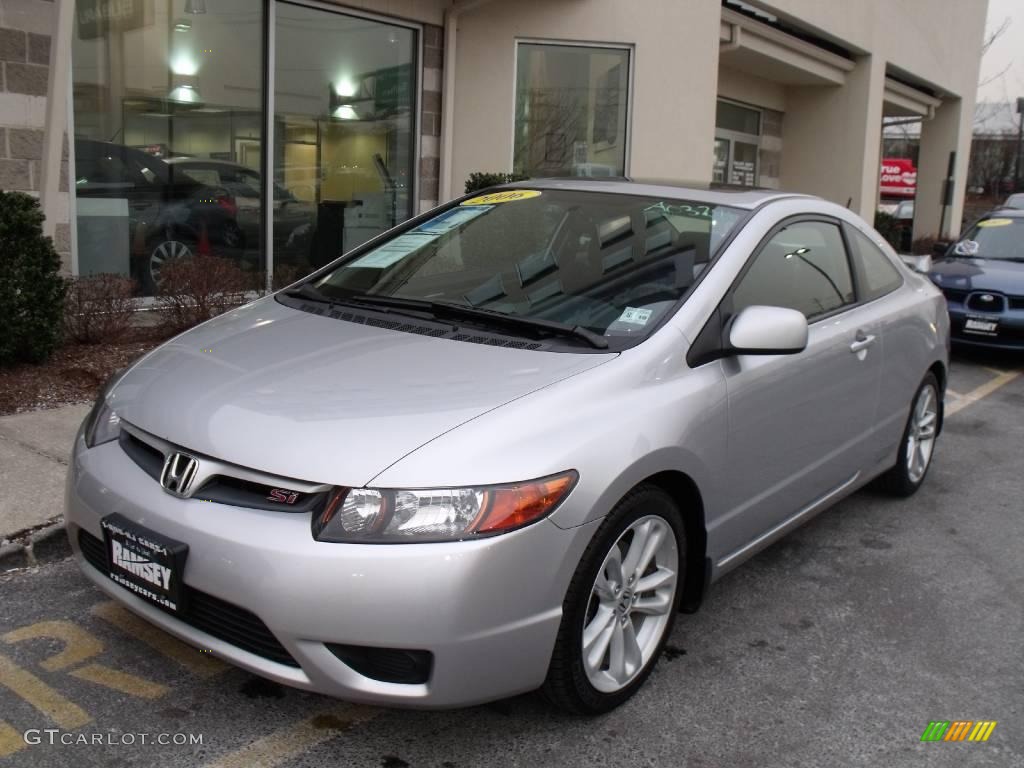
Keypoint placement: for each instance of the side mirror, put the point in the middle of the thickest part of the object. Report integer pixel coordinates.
(761, 330)
(939, 247)
(922, 264)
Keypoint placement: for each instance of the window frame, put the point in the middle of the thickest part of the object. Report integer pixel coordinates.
(630, 50)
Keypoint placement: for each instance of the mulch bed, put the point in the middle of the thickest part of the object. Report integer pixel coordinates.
(74, 374)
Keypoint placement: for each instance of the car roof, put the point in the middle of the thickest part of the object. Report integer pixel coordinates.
(204, 161)
(713, 194)
(1005, 213)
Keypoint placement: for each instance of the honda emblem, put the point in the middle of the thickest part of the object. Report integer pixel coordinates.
(178, 474)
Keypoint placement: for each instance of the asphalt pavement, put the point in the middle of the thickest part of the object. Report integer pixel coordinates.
(835, 647)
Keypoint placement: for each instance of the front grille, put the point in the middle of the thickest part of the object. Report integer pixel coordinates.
(209, 614)
(994, 303)
(954, 295)
(243, 493)
(149, 459)
(222, 488)
(1015, 302)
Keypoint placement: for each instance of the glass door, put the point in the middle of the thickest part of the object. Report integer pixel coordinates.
(721, 162)
(344, 125)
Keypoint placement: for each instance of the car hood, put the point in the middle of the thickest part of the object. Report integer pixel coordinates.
(972, 274)
(313, 398)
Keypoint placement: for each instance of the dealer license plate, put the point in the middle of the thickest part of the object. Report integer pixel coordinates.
(982, 326)
(145, 562)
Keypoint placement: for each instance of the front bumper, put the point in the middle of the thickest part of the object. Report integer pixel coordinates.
(1010, 333)
(487, 610)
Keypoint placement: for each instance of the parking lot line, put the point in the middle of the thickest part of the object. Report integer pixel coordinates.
(120, 681)
(79, 645)
(10, 740)
(161, 642)
(27, 686)
(294, 740)
(981, 392)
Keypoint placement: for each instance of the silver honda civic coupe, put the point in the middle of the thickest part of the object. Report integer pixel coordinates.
(502, 446)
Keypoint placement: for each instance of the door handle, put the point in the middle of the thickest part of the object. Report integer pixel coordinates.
(862, 341)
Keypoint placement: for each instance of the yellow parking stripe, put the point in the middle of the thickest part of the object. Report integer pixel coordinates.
(120, 681)
(27, 686)
(294, 740)
(10, 740)
(979, 393)
(198, 664)
(79, 645)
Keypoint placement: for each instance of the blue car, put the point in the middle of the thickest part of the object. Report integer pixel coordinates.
(982, 276)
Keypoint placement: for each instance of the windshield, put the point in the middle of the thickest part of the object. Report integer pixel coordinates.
(612, 264)
(995, 238)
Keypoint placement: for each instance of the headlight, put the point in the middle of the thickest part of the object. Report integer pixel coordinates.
(102, 424)
(367, 515)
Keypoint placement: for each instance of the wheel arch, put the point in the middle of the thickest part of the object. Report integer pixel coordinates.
(684, 491)
(939, 370)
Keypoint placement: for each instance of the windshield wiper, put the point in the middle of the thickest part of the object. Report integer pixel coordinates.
(444, 309)
(308, 291)
(518, 321)
(449, 310)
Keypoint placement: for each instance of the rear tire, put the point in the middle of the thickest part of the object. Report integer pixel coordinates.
(918, 443)
(621, 605)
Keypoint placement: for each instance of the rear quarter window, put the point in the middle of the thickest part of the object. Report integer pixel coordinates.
(877, 275)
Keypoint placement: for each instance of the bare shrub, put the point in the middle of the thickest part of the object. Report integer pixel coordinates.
(923, 245)
(99, 308)
(194, 289)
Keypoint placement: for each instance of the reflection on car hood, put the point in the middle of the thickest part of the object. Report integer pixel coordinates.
(968, 274)
(309, 397)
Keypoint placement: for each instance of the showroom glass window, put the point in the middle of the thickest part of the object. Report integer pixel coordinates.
(571, 110)
(345, 106)
(158, 86)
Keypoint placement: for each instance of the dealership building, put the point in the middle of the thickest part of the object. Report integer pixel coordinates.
(146, 127)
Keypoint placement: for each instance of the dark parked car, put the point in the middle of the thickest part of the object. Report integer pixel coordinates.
(170, 213)
(982, 276)
(294, 219)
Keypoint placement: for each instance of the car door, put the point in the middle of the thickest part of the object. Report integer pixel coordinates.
(798, 425)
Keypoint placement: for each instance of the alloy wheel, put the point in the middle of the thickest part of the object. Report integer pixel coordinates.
(166, 251)
(630, 604)
(921, 436)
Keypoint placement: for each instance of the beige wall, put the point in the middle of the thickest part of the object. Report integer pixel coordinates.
(936, 40)
(673, 90)
(751, 89)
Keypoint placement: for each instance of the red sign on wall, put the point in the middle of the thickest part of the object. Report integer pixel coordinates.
(899, 177)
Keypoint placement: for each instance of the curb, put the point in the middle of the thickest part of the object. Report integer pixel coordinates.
(35, 546)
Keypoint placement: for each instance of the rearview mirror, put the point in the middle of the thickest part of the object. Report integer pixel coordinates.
(761, 330)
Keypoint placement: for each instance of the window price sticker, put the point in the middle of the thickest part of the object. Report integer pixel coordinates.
(635, 315)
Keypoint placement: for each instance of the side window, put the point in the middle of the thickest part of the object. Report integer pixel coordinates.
(803, 267)
(877, 274)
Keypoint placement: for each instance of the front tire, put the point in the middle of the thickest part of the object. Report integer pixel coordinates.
(621, 605)
(161, 251)
(918, 443)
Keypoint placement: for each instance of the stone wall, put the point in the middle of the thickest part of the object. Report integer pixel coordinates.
(26, 29)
